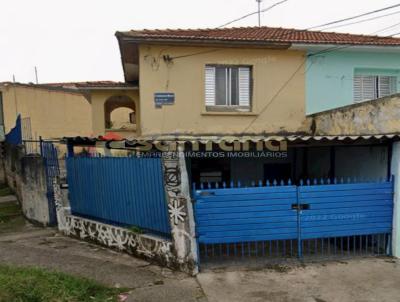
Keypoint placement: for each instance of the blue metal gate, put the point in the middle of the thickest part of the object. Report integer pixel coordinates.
(126, 191)
(50, 157)
(294, 221)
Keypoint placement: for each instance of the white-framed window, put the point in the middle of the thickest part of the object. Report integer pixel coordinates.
(370, 87)
(228, 86)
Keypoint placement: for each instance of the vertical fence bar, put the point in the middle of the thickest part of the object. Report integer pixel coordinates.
(299, 240)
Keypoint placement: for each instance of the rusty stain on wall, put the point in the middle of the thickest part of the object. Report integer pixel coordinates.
(380, 116)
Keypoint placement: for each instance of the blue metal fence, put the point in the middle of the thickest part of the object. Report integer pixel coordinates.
(14, 137)
(126, 191)
(314, 218)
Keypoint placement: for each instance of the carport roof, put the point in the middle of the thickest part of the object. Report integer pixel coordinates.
(90, 141)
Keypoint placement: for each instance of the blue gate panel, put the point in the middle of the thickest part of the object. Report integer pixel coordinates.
(122, 190)
(245, 214)
(346, 209)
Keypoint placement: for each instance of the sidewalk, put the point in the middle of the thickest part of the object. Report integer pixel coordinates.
(147, 282)
(356, 280)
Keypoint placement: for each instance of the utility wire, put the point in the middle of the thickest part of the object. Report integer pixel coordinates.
(355, 17)
(289, 33)
(254, 13)
(361, 21)
(386, 28)
(312, 27)
(283, 87)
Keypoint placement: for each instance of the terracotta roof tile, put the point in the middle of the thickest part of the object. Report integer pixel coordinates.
(89, 84)
(260, 34)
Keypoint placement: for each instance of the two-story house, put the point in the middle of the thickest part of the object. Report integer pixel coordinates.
(276, 168)
(260, 84)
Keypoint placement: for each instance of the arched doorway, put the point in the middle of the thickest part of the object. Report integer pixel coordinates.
(120, 113)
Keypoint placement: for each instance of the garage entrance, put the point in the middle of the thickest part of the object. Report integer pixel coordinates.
(281, 220)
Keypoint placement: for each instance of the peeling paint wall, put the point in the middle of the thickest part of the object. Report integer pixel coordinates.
(372, 117)
(27, 177)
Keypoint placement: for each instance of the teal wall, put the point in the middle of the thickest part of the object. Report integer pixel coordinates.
(329, 76)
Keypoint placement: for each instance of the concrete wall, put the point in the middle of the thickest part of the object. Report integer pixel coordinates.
(53, 114)
(273, 109)
(27, 177)
(329, 77)
(361, 162)
(373, 117)
(370, 162)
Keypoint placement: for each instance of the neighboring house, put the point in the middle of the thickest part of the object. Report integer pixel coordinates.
(56, 110)
(352, 75)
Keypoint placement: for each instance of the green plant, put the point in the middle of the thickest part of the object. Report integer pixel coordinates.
(135, 229)
(38, 285)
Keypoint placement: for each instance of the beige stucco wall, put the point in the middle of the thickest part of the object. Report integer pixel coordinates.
(98, 98)
(274, 110)
(53, 114)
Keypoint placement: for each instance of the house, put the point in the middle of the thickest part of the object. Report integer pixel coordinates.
(290, 139)
(258, 82)
(55, 110)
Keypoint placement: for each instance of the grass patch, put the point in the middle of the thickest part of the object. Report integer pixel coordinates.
(9, 211)
(39, 285)
(135, 229)
(4, 191)
(11, 218)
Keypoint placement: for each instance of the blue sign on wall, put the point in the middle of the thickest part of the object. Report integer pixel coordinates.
(164, 98)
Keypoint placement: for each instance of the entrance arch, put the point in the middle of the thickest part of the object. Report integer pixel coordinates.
(120, 113)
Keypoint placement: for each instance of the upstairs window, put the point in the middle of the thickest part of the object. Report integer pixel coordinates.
(228, 86)
(367, 87)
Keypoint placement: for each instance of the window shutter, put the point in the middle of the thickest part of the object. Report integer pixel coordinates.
(364, 88)
(244, 86)
(393, 83)
(210, 85)
(357, 88)
(387, 85)
(384, 86)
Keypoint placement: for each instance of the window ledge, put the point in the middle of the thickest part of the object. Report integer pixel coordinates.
(230, 113)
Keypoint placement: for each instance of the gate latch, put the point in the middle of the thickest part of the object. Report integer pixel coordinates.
(301, 206)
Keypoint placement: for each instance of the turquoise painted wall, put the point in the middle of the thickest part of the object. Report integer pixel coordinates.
(329, 76)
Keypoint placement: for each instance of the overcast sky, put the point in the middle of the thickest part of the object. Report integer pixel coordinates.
(74, 40)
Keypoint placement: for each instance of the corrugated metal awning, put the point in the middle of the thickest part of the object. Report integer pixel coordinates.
(242, 139)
